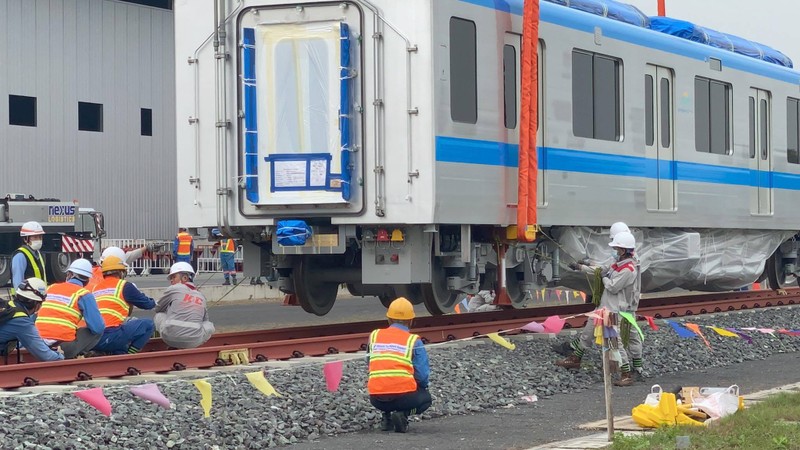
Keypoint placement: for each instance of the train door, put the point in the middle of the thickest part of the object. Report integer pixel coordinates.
(760, 120)
(659, 124)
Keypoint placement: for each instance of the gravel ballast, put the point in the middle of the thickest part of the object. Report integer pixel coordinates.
(465, 379)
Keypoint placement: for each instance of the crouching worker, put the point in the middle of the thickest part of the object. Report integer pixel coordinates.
(181, 313)
(66, 306)
(17, 320)
(115, 299)
(398, 369)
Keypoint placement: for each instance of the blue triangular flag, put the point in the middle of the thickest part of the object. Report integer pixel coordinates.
(682, 332)
(610, 332)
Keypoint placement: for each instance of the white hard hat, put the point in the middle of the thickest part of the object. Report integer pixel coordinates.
(624, 240)
(617, 228)
(181, 267)
(81, 267)
(113, 251)
(33, 289)
(31, 229)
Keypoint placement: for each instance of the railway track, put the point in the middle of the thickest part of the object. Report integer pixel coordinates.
(288, 343)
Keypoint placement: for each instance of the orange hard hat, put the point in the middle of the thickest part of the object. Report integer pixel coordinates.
(401, 309)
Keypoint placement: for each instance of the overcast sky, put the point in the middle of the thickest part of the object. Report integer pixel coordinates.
(772, 22)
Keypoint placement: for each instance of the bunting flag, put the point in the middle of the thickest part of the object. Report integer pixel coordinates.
(554, 324)
(682, 332)
(610, 332)
(558, 293)
(651, 321)
(333, 374)
(575, 294)
(534, 327)
(598, 335)
(151, 393)
(96, 399)
(258, 381)
(544, 295)
(790, 332)
(632, 319)
(723, 332)
(204, 387)
(696, 329)
(583, 295)
(500, 340)
(747, 338)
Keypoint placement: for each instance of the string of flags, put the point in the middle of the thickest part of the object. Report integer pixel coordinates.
(333, 370)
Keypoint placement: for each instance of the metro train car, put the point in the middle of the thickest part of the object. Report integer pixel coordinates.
(374, 143)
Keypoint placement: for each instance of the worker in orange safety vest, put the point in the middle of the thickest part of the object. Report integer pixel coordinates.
(183, 247)
(398, 369)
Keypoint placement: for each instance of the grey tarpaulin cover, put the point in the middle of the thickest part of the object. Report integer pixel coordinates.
(698, 260)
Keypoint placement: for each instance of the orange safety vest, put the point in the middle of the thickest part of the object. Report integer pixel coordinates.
(390, 368)
(60, 315)
(184, 244)
(227, 246)
(111, 303)
(97, 278)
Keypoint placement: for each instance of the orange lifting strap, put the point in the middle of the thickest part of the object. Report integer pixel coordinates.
(528, 170)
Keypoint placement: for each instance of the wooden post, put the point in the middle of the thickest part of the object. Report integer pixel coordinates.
(607, 383)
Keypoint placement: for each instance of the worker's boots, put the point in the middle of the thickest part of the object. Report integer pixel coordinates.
(233, 279)
(625, 380)
(570, 362)
(227, 282)
(386, 422)
(400, 421)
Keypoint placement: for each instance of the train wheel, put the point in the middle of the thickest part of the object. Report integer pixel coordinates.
(514, 288)
(412, 292)
(5, 270)
(437, 298)
(315, 296)
(386, 300)
(775, 272)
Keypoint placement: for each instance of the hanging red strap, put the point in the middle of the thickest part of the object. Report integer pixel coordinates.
(528, 167)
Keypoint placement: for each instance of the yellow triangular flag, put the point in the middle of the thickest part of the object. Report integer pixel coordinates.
(598, 334)
(544, 294)
(501, 341)
(724, 332)
(204, 387)
(575, 294)
(258, 381)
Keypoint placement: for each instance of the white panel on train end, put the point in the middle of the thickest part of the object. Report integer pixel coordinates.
(299, 91)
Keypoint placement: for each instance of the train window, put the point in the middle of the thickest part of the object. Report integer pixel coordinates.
(664, 106)
(463, 71)
(510, 85)
(595, 96)
(22, 110)
(712, 120)
(649, 124)
(764, 128)
(752, 103)
(793, 130)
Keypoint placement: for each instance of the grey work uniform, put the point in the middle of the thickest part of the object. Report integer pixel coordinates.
(182, 317)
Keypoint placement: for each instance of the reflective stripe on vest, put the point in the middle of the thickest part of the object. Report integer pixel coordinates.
(227, 246)
(59, 316)
(184, 244)
(34, 268)
(391, 370)
(111, 302)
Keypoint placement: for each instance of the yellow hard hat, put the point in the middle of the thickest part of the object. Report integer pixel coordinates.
(112, 263)
(401, 309)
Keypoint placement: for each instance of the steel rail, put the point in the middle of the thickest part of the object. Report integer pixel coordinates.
(350, 337)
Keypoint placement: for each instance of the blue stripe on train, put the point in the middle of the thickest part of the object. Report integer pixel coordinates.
(644, 37)
(470, 151)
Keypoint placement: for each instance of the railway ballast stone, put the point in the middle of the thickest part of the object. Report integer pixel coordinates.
(464, 380)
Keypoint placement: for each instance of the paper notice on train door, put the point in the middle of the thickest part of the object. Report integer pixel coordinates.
(290, 174)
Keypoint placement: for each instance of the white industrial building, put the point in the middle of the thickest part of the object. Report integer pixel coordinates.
(87, 108)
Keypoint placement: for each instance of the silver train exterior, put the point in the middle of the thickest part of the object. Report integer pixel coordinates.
(402, 157)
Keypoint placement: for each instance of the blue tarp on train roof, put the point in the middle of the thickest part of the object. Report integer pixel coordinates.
(608, 8)
(703, 35)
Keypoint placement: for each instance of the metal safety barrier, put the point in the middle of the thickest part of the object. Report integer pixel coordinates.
(159, 260)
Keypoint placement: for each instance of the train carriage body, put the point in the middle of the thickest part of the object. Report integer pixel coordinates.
(375, 143)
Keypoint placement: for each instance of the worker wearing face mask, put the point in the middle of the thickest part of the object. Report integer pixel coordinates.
(28, 261)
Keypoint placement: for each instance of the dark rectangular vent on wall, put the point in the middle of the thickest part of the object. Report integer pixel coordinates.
(22, 110)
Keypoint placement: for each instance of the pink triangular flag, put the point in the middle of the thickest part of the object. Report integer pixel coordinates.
(554, 324)
(333, 375)
(534, 327)
(151, 393)
(95, 398)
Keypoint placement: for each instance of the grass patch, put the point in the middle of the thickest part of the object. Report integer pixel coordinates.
(771, 424)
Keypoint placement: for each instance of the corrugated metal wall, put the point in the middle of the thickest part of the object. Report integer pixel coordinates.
(119, 55)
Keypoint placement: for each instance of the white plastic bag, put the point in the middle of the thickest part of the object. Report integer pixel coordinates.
(654, 396)
(718, 402)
